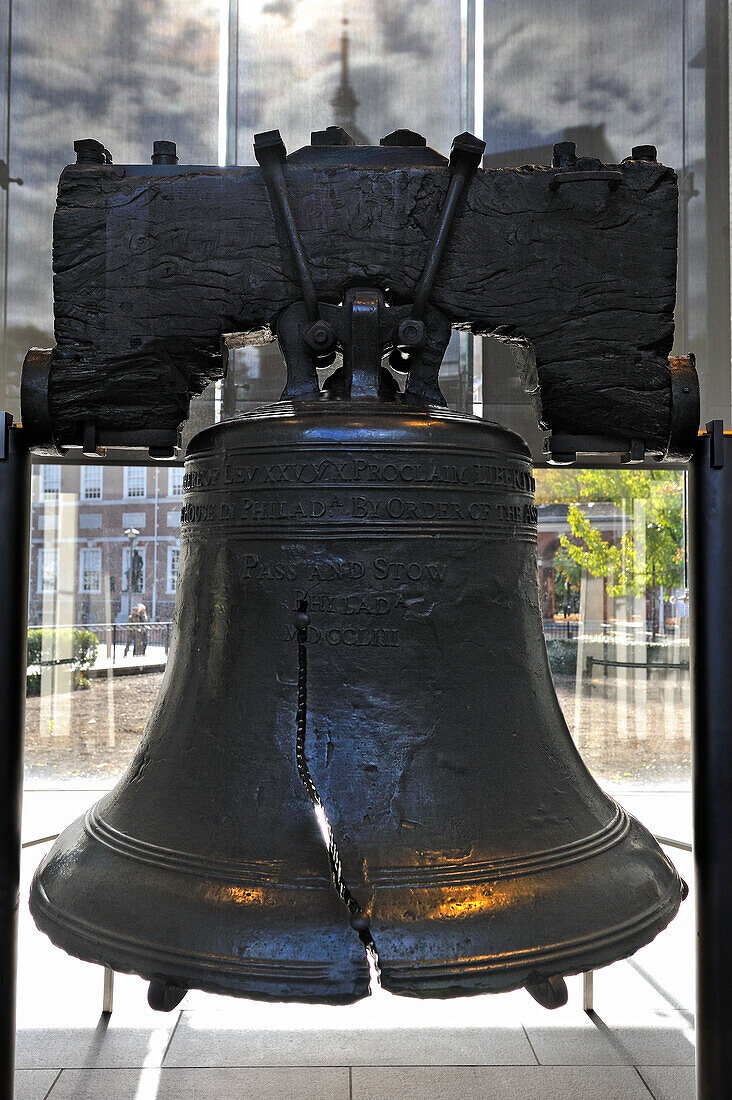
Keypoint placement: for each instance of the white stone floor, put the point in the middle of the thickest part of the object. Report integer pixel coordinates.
(639, 1042)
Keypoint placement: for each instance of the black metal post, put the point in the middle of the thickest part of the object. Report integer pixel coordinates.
(710, 560)
(14, 534)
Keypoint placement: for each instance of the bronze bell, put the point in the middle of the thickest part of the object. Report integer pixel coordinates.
(357, 757)
(359, 577)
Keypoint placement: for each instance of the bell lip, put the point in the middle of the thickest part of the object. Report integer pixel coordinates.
(361, 413)
(448, 982)
(108, 950)
(400, 980)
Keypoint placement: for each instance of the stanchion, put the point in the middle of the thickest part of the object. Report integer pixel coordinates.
(14, 518)
(710, 560)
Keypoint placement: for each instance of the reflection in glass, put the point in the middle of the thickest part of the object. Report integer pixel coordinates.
(615, 610)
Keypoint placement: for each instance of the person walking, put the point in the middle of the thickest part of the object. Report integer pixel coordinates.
(131, 639)
(141, 632)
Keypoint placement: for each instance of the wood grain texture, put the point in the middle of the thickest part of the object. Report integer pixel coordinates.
(152, 266)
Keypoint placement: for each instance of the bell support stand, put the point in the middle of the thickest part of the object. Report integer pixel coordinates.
(710, 530)
(348, 306)
(15, 511)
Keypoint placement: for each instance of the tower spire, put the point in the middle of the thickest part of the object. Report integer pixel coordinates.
(344, 101)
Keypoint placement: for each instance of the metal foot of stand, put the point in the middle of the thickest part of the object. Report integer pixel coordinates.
(14, 530)
(588, 991)
(108, 994)
(710, 530)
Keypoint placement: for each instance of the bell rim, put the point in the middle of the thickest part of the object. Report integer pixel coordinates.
(423, 979)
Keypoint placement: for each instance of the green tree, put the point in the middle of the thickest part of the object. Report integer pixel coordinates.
(629, 568)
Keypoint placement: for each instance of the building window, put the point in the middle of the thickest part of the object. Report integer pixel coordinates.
(134, 519)
(90, 570)
(48, 570)
(50, 481)
(135, 481)
(175, 481)
(91, 482)
(173, 555)
(133, 569)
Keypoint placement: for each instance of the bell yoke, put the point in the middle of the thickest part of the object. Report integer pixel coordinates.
(357, 762)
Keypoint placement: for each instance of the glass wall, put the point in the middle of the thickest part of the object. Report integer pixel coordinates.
(612, 584)
(208, 75)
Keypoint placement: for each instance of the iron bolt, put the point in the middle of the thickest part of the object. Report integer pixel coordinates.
(301, 620)
(643, 152)
(410, 333)
(331, 135)
(91, 151)
(404, 138)
(564, 154)
(319, 337)
(360, 922)
(466, 153)
(164, 152)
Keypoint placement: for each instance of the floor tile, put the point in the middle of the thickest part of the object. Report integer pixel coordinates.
(500, 1083)
(197, 1043)
(655, 1046)
(33, 1084)
(670, 1082)
(203, 1084)
(578, 1043)
(78, 1048)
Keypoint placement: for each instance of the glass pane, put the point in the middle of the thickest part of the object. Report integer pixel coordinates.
(125, 73)
(610, 75)
(615, 610)
(101, 596)
(369, 68)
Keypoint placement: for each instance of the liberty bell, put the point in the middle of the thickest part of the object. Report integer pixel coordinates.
(357, 758)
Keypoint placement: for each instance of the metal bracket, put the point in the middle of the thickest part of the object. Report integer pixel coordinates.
(465, 157)
(715, 431)
(611, 176)
(684, 408)
(561, 448)
(309, 332)
(270, 152)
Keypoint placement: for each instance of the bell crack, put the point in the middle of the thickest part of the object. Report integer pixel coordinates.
(359, 920)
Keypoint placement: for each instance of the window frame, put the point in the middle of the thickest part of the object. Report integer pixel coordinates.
(173, 573)
(90, 475)
(43, 552)
(175, 476)
(83, 569)
(127, 488)
(53, 491)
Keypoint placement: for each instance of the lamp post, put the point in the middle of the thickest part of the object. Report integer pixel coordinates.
(131, 533)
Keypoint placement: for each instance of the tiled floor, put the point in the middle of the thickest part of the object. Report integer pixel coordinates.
(637, 1044)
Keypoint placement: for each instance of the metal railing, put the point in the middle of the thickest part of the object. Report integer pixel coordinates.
(117, 640)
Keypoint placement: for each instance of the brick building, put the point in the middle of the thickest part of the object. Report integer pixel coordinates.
(103, 538)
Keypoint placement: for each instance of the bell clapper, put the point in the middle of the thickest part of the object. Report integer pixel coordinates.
(549, 992)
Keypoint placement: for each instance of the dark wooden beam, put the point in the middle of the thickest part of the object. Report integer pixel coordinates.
(153, 264)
